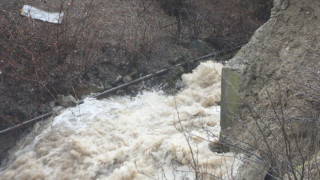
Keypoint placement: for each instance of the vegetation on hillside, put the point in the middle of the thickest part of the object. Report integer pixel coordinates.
(41, 60)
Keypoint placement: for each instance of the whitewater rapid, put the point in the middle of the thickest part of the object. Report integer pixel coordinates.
(150, 136)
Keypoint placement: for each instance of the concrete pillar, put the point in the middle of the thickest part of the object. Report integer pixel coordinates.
(230, 100)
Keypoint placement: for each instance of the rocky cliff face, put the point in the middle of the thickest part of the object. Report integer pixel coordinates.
(272, 108)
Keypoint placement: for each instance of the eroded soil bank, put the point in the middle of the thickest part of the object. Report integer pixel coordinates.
(276, 119)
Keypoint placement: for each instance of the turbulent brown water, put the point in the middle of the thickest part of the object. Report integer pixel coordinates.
(124, 138)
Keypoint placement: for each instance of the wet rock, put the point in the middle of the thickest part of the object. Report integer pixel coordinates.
(56, 109)
(127, 79)
(66, 101)
(120, 92)
(179, 84)
(44, 108)
(118, 79)
(107, 85)
(178, 60)
(91, 88)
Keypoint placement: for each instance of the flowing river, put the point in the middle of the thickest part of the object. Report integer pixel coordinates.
(150, 136)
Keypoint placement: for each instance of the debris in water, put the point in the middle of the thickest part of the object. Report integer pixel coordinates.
(39, 14)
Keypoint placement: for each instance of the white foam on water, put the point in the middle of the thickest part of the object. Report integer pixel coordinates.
(124, 138)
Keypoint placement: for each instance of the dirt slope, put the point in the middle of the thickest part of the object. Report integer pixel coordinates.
(279, 92)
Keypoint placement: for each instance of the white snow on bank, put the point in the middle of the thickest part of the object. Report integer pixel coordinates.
(35, 13)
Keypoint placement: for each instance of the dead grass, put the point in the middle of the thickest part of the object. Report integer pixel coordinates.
(40, 60)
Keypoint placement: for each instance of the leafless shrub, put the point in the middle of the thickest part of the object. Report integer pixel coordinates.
(40, 60)
(224, 24)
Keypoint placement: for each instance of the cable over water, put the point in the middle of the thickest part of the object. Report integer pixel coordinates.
(124, 138)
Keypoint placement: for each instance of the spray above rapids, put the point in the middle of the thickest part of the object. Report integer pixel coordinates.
(150, 136)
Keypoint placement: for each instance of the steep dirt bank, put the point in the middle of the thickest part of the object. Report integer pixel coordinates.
(276, 121)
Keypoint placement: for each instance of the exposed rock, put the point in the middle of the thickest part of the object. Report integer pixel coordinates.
(178, 60)
(66, 101)
(118, 79)
(89, 89)
(171, 76)
(57, 109)
(106, 85)
(120, 92)
(127, 79)
(44, 108)
(179, 84)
